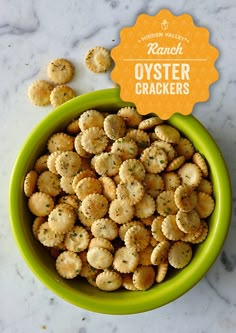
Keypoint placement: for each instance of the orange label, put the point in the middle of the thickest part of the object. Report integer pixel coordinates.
(164, 64)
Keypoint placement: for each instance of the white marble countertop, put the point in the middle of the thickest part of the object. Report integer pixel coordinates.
(31, 34)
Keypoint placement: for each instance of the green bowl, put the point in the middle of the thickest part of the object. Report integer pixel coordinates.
(79, 292)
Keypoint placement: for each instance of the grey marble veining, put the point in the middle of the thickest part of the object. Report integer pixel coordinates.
(31, 34)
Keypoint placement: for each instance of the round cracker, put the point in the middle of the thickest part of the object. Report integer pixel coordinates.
(99, 257)
(165, 203)
(36, 224)
(149, 123)
(109, 280)
(48, 182)
(41, 164)
(61, 94)
(66, 184)
(154, 159)
(125, 260)
(101, 242)
(125, 147)
(185, 198)
(188, 222)
(77, 239)
(156, 229)
(161, 271)
(68, 264)
(30, 183)
(153, 184)
(62, 218)
(39, 92)
(107, 164)
(98, 59)
(145, 207)
(144, 277)
(137, 237)
(184, 148)
(105, 228)
(205, 204)
(114, 126)
(47, 236)
(60, 142)
(171, 229)
(171, 180)
(190, 174)
(131, 190)
(90, 118)
(94, 140)
(130, 115)
(121, 211)
(180, 254)
(86, 186)
(85, 221)
(51, 160)
(68, 163)
(201, 163)
(109, 187)
(132, 169)
(124, 227)
(160, 253)
(167, 133)
(40, 204)
(94, 206)
(60, 71)
(175, 163)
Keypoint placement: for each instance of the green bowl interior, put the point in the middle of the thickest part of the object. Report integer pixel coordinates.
(77, 291)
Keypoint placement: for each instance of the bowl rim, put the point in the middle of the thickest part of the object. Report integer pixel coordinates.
(191, 276)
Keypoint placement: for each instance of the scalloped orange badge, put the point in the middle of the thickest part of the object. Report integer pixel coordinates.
(164, 64)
